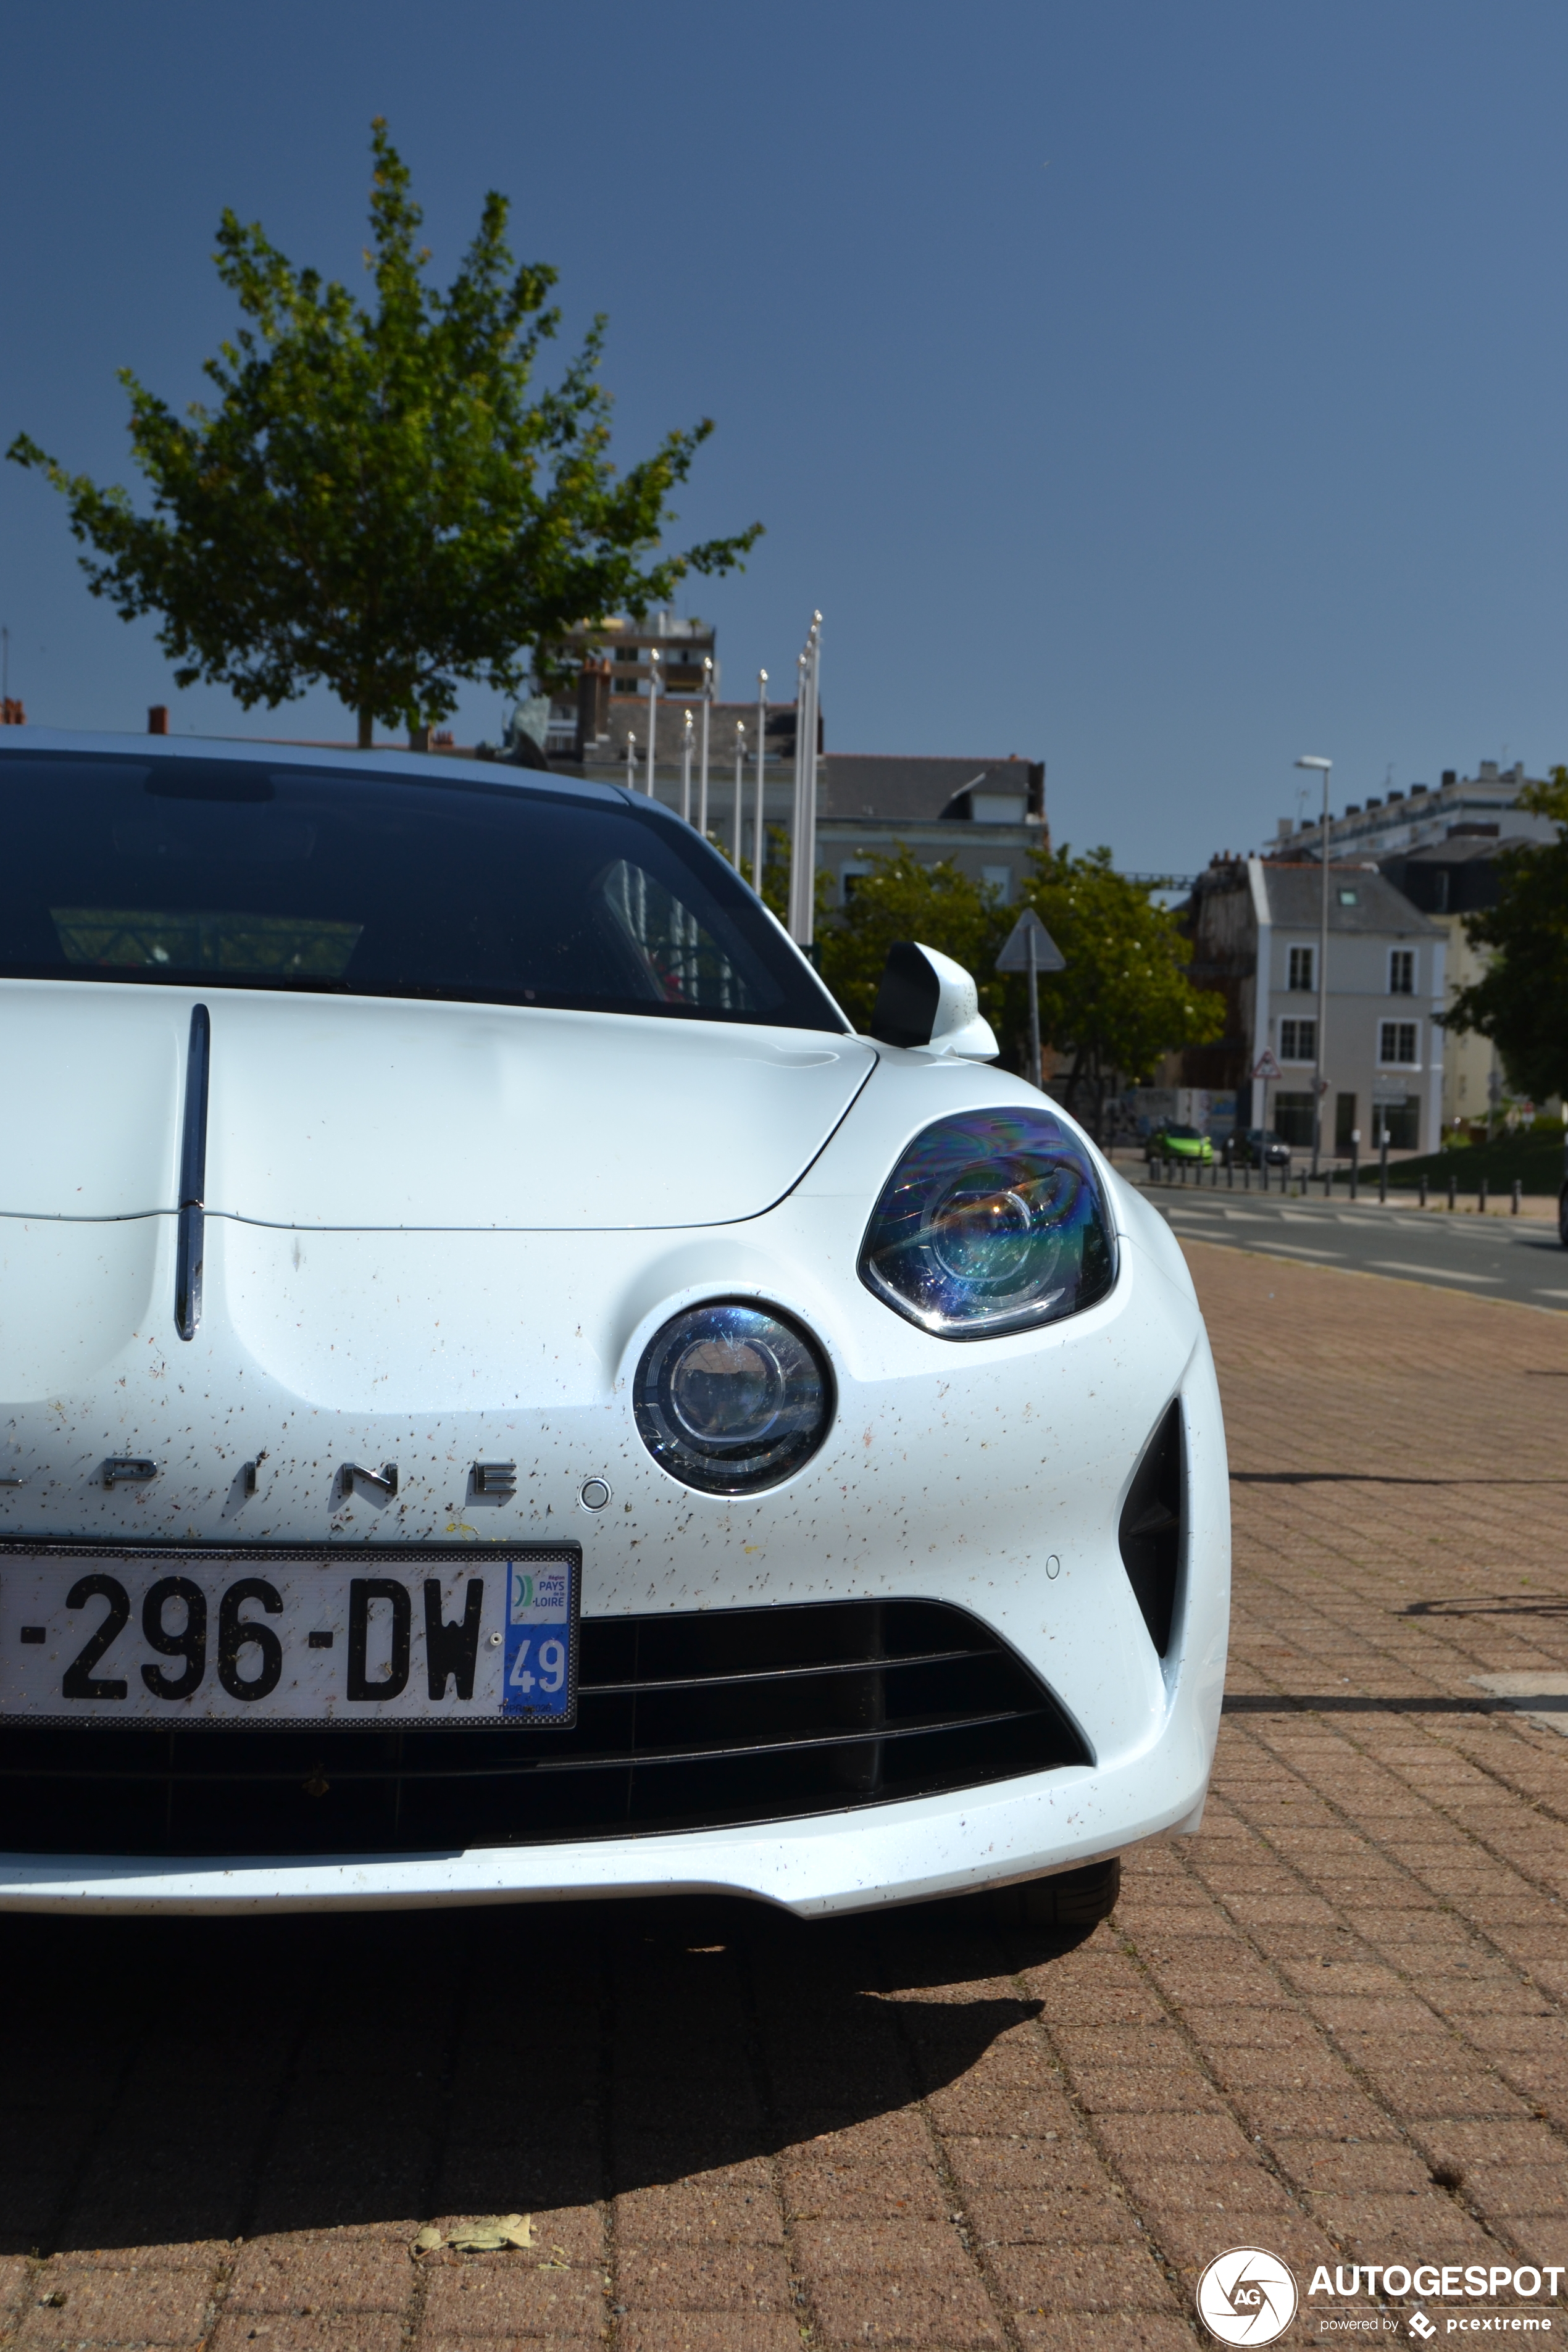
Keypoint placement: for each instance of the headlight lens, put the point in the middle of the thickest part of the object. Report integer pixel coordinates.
(730, 1398)
(990, 1222)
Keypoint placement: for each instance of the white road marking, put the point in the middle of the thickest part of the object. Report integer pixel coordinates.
(1296, 1249)
(1551, 1293)
(1441, 1272)
(1246, 1217)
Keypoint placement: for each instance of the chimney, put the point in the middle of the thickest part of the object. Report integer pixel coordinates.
(158, 718)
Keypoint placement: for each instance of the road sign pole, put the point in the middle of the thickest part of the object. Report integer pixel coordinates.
(1033, 1012)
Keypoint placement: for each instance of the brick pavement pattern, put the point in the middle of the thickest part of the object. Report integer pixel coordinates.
(1331, 2025)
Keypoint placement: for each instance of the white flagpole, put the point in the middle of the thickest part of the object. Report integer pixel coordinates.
(809, 899)
(652, 716)
(740, 787)
(702, 769)
(686, 769)
(797, 813)
(760, 838)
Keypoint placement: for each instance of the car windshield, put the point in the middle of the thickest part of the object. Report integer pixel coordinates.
(245, 874)
(1184, 1134)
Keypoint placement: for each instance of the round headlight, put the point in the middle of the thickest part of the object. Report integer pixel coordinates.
(991, 1222)
(730, 1398)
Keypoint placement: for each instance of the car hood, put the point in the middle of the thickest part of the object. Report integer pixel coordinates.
(358, 1112)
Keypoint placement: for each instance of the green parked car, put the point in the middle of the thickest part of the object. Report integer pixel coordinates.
(1181, 1143)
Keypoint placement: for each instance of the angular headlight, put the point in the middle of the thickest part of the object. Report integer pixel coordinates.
(732, 1397)
(991, 1222)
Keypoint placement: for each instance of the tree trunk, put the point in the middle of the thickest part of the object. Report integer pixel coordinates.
(366, 730)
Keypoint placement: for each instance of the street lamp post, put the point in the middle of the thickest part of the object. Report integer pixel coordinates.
(1319, 1083)
(686, 769)
(759, 840)
(740, 790)
(702, 762)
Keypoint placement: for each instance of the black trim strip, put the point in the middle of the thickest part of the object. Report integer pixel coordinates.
(878, 1665)
(638, 1761)
(190, 1247)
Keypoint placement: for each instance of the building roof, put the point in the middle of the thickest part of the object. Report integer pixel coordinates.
(894, 790)
(1295, 901)
(1464, 847)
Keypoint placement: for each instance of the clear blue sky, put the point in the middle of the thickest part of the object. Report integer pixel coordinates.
(1159, 390)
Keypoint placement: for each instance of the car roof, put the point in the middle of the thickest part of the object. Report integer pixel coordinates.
(424, 767)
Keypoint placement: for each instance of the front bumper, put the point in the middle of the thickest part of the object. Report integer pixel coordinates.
(857, 1860)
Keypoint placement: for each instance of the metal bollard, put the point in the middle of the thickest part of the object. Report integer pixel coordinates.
(1423, 1188)
(1382, 1179)
(1328, 1183)
(1481, 1198)
(1517, 1191)
(1453, 1191)
(1247, 1178)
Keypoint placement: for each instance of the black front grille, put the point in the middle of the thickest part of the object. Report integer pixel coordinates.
(742, 1715)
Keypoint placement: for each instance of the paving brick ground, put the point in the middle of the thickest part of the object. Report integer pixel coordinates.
(1331, 2025)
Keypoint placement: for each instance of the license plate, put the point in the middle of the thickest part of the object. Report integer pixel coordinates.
(289, 1636)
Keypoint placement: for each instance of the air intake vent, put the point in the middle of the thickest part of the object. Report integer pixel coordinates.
(691, 1722)
(1153, 1527)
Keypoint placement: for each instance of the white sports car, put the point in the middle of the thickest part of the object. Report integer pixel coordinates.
(504, 1397)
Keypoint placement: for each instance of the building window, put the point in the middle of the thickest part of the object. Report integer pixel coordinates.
(1293, 1120)
(1402, 972)
(848, 876)
(1298, 1041)
(1401, 1119)
(1398, 1044)
(1303, 961)
(1000, 880)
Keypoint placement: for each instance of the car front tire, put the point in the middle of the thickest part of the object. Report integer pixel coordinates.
(1070, 1901)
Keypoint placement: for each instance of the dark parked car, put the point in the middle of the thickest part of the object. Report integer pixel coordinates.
(1259, 1147)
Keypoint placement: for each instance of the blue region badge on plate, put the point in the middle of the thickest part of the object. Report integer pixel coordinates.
(541, 1683)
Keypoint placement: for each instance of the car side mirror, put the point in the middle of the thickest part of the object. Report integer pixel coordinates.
(931, 1006)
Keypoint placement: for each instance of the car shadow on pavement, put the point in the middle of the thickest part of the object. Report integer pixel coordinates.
(173, 2080)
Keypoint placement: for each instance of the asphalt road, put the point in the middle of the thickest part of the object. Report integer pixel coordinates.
(1489, 1257)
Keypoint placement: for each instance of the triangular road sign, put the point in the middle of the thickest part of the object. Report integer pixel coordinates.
(1266, 1068)
(1014, 956)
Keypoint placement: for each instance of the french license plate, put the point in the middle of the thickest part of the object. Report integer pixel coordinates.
(289, 1636)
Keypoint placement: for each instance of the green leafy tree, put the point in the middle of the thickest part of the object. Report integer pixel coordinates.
(899, 899)
(1125, 998)
(1521, 1001)
(375, 502)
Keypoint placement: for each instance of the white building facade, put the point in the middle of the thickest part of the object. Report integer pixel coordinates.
(1383, 1046)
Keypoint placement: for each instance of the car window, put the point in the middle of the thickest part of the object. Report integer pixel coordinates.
(245, 875)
